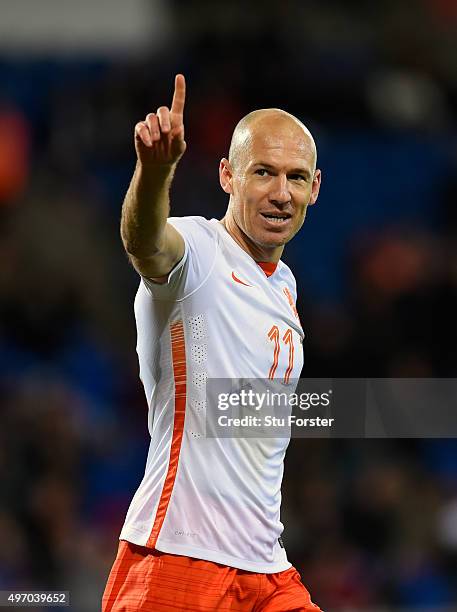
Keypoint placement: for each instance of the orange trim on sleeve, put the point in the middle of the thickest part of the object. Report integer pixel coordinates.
(178, 351)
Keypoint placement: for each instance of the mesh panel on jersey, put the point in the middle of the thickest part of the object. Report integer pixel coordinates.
(194, 434)
(199, 379)
(199, 353)
(197, 327)
(198, 405)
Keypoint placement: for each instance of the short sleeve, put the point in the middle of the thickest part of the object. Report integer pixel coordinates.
(191, 272)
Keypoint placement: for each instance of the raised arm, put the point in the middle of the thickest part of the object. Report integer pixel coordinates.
(152, 244)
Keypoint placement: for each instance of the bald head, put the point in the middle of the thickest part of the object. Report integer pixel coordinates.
(263, 123)
(271, 177)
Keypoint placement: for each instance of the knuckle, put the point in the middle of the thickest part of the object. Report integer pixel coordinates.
(140, 131)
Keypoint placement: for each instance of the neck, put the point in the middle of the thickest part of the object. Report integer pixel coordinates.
(256, 251)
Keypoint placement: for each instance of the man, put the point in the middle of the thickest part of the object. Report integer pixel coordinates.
(214, 301)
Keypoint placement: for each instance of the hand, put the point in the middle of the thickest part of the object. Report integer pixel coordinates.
(159, 140)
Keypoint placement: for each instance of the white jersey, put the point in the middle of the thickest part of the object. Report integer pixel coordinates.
(218, 316)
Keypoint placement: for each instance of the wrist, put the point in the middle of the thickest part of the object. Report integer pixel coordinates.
(168, 168)
(162, 173)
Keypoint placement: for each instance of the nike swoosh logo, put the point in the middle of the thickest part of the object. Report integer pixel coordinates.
(237, 280)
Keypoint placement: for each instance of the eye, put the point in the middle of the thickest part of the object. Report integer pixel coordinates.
(261, 172)
(297, 177)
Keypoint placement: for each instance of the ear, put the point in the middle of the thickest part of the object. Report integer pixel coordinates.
(226, 175)
(316, 186)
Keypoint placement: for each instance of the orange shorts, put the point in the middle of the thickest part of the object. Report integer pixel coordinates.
(145, 580)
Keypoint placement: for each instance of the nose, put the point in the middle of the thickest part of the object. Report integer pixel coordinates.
(280, 193)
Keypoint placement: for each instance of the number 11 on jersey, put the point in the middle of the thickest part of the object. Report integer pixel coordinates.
(274, 336)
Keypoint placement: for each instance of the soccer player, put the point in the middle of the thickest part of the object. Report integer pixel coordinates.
(203, 531)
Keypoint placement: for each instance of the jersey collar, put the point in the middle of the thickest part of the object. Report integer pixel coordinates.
(268, 267)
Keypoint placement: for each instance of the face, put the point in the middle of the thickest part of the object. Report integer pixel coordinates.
(271, 183)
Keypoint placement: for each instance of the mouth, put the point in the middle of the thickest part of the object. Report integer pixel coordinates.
(277, 218)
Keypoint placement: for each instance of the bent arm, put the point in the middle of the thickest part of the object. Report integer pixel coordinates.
(154, 246)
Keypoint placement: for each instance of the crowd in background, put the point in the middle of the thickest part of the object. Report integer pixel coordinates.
(370, 524)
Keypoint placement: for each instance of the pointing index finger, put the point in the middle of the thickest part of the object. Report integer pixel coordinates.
(179, 96)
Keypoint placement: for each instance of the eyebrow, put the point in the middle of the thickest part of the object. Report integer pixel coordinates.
(303, 171)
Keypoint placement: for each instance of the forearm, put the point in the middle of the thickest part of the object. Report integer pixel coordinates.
(145, 210)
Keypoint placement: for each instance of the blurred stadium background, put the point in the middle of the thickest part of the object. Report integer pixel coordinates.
(371, 524)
